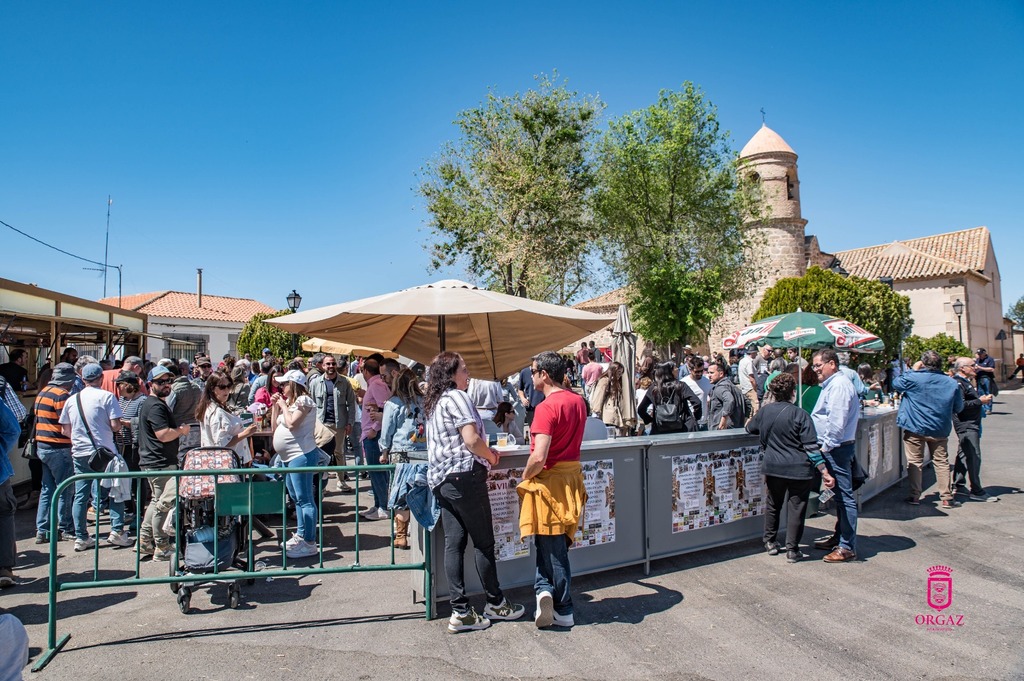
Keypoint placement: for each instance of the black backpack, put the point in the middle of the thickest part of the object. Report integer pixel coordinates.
(671, 415)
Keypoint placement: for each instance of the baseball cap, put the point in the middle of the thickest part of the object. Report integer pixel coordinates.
(127, 377)
(159, 371)
(293, 375)
(91, 372)
(979, 350)
(204, 362)
(266, 351)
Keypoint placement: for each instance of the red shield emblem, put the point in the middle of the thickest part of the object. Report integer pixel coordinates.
(940, 587)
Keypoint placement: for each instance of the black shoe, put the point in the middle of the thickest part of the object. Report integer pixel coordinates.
(795, 556)
(772, 548)
(826, 543)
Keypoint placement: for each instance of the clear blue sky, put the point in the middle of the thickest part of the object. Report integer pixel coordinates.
(276, 145)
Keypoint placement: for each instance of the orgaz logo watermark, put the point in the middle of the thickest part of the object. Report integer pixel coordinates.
(939, 598)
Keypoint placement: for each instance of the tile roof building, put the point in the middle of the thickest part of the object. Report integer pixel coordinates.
(192, 322)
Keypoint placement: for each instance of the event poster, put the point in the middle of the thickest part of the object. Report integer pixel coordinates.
(597, 526)
(874, 449)
(501, 489)
(889, 448)
(714, 488)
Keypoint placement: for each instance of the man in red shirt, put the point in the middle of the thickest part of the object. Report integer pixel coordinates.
(552, 494)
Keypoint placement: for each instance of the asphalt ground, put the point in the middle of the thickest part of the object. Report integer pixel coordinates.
(727, 613)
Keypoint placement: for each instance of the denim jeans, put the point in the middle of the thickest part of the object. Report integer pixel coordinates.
(300, 489)
(553, 573)
(57, 467)
(985, 388)
(80, 506)
(378, 479)
(466, 514)
(840, 465)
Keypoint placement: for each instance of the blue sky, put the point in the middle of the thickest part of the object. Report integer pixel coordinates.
(276, 145)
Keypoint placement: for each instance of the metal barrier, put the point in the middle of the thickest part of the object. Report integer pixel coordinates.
(229, 500)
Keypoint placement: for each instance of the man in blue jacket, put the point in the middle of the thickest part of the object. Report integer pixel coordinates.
(930, 398)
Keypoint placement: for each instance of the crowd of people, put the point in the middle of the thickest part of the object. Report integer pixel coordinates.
(374, 410)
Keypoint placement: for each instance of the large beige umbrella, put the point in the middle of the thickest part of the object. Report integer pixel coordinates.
(624, 352)
(495, 333)
(336, 348)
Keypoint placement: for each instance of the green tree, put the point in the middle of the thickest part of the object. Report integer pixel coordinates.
(257, 335)
(1016, 312)
(865, 302)
(944, 344)
(509, 199)
(672, 206)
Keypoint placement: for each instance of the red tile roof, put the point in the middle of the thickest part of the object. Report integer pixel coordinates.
(183, 305)
(942, 255)
(606, 302)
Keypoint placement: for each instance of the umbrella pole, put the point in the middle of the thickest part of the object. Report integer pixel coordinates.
(440, 332)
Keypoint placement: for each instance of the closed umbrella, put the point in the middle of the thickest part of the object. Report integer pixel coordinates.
(336, 348)
(496, 334)
(624, 352)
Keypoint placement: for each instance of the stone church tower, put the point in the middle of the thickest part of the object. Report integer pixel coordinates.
(776, 248)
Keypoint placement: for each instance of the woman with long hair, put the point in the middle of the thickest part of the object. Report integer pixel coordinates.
(403, 430)
(606, 398)
(791, 453)
(669, 404)
(645, 369)
(218, 426)
(458, 460)
(809, 389)
(505, 419)
(294, 413)
(265, 393)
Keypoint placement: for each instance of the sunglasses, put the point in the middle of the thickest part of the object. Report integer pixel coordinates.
(159, 381)
(223, 386)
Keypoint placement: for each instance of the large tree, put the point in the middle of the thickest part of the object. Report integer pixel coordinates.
(867, 303)
(257, 334)
(672, 206)
(1016, 312)
(509, 198)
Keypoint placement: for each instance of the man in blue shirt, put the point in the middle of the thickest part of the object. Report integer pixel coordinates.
(930, 398)
(986, 368)
(835, 417)
(10, 429)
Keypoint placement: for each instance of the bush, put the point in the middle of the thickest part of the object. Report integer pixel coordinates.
(944, 344)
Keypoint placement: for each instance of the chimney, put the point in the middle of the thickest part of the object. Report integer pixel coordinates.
(199, 286)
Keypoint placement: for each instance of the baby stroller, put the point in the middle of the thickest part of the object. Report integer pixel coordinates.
(212, 542)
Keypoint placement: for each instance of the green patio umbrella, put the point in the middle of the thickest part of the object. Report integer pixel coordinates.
(805, 330)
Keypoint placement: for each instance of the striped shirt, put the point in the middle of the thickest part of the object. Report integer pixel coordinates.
(446, 450)
(49, 403)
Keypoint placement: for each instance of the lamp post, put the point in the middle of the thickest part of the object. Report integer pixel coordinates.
(958, 310)
(294, 300)
(1001, 337)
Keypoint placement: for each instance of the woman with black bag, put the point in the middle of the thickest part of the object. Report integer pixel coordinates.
(669, 404)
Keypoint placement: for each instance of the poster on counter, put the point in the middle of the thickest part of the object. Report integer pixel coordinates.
(715, 488)
(889, 448)
(597, 526)
(501, 490)
(874, 449)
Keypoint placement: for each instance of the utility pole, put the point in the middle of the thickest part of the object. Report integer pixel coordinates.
(106, 248)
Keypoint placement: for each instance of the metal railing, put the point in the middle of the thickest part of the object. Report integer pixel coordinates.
(228, 500)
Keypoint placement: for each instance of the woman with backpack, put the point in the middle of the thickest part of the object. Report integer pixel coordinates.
(606, 398)
(669, 405)
(403, 430)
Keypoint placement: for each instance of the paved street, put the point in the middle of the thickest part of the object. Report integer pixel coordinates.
(729, 613)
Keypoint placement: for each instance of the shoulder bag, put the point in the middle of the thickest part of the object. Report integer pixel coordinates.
(100, 457)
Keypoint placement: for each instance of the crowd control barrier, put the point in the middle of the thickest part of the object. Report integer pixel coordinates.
(247, 499)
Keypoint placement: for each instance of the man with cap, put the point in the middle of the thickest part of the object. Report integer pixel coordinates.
(158, 451)
(985, 367)
(204, 365)
(53, 448)
(110, 376)
(90, 418)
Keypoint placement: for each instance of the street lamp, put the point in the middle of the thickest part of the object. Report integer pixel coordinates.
(958, 310)
(887, 281)
(294, 300)
(839, 269)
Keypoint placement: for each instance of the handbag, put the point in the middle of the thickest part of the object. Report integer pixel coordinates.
(322, 434)
(29, 452)
(101, 456)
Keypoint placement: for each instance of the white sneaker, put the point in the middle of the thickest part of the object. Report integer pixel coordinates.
(375, 514)
(545, 613)
(120, 539)
(563, 620)
(343, 486)
(304, 549)
(84, 544)
(294, 541)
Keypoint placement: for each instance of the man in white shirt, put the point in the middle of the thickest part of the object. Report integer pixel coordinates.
(748, 380)
(701, 387)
